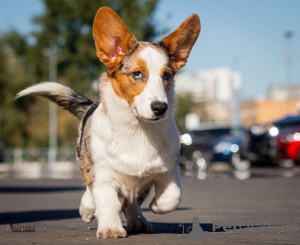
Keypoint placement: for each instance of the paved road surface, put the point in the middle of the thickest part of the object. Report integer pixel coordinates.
(271, 205)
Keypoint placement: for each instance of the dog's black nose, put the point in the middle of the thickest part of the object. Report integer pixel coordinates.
(159, 108)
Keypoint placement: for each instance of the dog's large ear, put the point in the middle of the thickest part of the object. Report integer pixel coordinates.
(112, 37)
(179, 43)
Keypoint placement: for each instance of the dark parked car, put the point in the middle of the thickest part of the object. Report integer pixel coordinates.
(262, 139)
(196, 145)
(231, 148)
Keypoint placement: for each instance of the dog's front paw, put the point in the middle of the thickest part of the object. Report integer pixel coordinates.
(139, 224)
(111, 232)
(87, 214)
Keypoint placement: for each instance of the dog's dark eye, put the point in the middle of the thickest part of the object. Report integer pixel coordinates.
(166, 76)
(137, 75)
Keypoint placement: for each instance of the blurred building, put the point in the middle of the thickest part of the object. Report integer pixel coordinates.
(213, 84)
(284, 92)
(281, 101)
(217, 87)
(263, 111)
(219, 112)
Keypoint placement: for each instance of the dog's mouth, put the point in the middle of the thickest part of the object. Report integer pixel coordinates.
(158, 118)
(154, 119)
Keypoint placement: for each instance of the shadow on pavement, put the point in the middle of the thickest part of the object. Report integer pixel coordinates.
(34, 189)
(33, 216)
(177, 209)
(158, 227)
(180, 228)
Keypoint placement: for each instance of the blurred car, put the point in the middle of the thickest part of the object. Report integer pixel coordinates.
(288, 146)
(262, 139)
(1, 151)
(196, 145)
(231, 148)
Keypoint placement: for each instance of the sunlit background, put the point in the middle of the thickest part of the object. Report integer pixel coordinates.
(242, 72)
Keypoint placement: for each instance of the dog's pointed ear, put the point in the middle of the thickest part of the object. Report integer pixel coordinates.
(112, 37)
(179, 43)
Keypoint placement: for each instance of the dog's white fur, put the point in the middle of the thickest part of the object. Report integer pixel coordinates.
(127, 149)
(132, 151)
(154, 90)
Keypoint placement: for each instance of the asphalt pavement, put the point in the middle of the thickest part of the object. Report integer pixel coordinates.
(264, 209)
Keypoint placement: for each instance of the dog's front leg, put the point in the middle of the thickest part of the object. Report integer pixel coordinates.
(167, 192)
(108, 207)
(136, 222)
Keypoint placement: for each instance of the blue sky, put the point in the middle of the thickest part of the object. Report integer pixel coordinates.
(244, 34)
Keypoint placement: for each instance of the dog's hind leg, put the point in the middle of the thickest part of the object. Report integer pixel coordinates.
(87, 206)
(136, 222)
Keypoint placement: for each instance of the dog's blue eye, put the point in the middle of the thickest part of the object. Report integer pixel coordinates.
(166, 76)
(137, 75)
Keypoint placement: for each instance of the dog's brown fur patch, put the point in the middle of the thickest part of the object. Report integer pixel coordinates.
(84, 154)
(125, 86)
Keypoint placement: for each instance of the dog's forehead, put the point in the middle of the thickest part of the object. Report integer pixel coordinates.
(154, 57)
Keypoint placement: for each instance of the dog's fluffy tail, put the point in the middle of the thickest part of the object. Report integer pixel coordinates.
(65, 97)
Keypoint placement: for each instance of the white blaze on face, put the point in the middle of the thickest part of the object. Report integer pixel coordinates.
(154, 89)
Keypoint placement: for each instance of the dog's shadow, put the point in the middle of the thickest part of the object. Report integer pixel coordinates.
(185, 228)
(169, 228)
(157, 227)
(177, 228)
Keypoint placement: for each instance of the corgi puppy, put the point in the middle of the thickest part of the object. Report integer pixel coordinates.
(128, 140)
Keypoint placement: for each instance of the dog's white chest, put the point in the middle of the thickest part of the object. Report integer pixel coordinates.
(134, 150)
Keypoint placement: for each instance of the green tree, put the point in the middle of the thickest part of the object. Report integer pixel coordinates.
(185, 104)
(14, 76)
(24, 61)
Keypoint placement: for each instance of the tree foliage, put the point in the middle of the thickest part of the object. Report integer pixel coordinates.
(24, 61)
(13, 78)
(185, 104)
